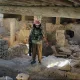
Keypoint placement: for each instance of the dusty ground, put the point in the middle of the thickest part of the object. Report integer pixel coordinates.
(37, 71)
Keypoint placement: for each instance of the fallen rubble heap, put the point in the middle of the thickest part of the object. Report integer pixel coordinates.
(17, 51)
(3, 48)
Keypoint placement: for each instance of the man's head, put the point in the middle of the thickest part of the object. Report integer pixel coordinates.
(37, 23)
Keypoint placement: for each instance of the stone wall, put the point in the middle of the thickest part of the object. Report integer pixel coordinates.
(6, 23)
(76, 28)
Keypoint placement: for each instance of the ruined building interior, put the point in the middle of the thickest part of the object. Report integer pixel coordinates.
(60, 21)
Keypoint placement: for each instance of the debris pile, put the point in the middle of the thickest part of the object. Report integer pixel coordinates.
(3, 48)
(71, 51)
(22, 76)
(6, 78)
(17, 51)
(68, 68)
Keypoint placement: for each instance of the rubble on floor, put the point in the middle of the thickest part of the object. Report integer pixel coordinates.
(17, 51)
(52, 61)
(18, 61)
(6, 78)
(73, 76)
(3, 48)
(51, 67)
(77, 65)
(22, 76)
(75, 48)
(72, 51)
(72, 42)
(65, 68)
(65, 50)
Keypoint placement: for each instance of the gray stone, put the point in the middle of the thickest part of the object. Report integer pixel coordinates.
(66, 51)
(17, 51)
(22, 76)
(6, 78)
(3, 48)
(65, 68)
(75, 48)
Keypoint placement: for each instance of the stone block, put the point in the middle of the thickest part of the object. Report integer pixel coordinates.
(6, 78)
(60, 37)
(65, 68)
(22, 76)
(65, 50)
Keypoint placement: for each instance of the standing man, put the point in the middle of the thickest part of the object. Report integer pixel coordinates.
(36, 37)
(30, 45)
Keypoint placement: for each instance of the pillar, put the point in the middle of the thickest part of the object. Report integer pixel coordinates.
(12, 31)
(23, 18)
(57, 20)
(1, 20)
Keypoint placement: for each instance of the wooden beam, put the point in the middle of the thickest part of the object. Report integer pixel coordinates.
(68, 12)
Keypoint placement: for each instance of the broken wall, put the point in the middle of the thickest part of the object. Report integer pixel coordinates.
(76, 29)
(6, 23)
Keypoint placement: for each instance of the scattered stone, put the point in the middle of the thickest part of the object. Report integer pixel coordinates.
(72, 57)
(22, 76)
(65, 68)
(61, 55)
(71, 42)
(65, 50)
(52, 61)
(75, 55)
(74, 76)
(3, 48)
(74, 48)
(77, 65)
(17, 51)
(54, 50)
(6, 78)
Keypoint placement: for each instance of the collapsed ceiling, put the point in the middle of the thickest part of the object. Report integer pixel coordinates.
(68, 3)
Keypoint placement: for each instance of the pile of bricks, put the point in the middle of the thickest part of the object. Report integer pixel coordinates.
(3, 48)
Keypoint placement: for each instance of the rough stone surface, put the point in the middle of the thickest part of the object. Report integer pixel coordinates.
(59, 3)
(17, 51)
(66, 68)
(3, 48)
(6, 78)
(66, 50)
(73, 75)
(75, 48)
(37, 71)
(22, 76)
(43, 11)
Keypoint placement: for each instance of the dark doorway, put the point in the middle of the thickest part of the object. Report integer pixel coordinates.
(70, 33)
